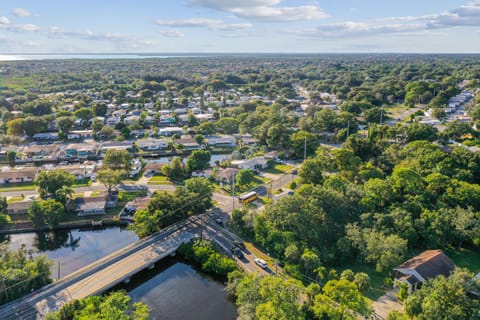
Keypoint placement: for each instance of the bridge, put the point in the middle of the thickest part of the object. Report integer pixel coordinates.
(118, 267)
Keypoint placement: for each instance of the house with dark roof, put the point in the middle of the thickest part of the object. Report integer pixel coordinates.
(427, 265)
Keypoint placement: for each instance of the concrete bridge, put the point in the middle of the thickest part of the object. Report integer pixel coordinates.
(118, 267)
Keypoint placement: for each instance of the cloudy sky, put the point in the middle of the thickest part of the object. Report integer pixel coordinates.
(106, 26)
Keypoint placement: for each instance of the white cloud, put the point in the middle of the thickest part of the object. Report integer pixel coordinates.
(20, 12)
(24, 28)
(4, 21)
(172, 33)
(465, 15)
(115, 38)
(263, 10)
(212, 24)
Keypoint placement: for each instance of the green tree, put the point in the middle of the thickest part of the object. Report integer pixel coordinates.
(301, 140)
(33, 125)
(21, 272)
(49, 181)
(311, 171)
(84, 113)
(198, 160)
(100, 109)
(116, 305)
(244, 177)
(36, 215)
(228, 125)
(11, 158)
(15, 127)
(111, 178)
(65, 124)
(117, 160)
(64, 195)
(445, 298)
(107, 132)
(340, 299)
(53, 212)
(175, 170)
(146, 223)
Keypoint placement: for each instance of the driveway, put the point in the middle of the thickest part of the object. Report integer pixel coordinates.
(387, 303)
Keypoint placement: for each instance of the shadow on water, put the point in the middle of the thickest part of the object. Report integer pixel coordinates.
(176, 290)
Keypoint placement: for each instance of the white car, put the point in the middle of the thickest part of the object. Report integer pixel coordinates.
(261, 263)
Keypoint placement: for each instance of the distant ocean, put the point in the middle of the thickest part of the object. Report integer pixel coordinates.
(21, 57)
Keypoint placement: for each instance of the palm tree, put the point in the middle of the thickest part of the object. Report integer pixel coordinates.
(65, 193)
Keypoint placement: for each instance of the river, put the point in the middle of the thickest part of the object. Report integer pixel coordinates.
(172, 290)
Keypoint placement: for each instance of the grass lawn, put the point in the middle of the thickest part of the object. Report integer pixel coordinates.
(278, 168)
(159, 179)
(376, 279)
(124, 196)
(15, 199)
(465, 258)
(239, 190)
(25, 186)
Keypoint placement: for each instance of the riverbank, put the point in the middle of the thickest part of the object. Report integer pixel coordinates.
(24, 227)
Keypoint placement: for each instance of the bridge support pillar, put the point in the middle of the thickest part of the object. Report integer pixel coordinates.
(150, 267)
(127, 281)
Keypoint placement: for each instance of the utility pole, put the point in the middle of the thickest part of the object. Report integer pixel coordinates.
(58, 270)
(233, 191)
(305, 150)
(6, 289)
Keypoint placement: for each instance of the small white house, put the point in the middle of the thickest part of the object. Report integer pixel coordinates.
(152, 144)
(254, 163)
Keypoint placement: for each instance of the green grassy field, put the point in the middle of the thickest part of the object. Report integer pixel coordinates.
(25, 186)
(465, 258)
(377, 288)
(158, 179)
(278, 168)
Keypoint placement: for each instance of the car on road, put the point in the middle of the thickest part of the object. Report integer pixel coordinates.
(261, 263)
(219, 222)
(93, 178)
(237, 252)
(241, 245)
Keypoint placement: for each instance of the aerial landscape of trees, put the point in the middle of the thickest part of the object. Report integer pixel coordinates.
(384, 169)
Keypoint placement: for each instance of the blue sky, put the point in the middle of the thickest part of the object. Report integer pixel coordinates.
(108, 26)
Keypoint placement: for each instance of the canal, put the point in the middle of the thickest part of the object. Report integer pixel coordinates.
(172, 290)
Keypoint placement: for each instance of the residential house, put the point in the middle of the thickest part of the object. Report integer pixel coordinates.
(154, 167)
(131, 119)
(188, 143)
(80, 134)
(226, 175)
(38, 152)
(18, 175)
(254, 163)
(428, 264)
(46, 136)
(202, 173)
(137, 204)
(90, 205)
(20, 207)
(116, 145)
(170, 131)
(152, 144)
(81, 150)
(221, 141)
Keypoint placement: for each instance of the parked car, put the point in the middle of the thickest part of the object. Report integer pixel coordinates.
(261, 263)
(93, 178)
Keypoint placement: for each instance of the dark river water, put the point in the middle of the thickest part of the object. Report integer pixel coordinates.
(172, 290)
